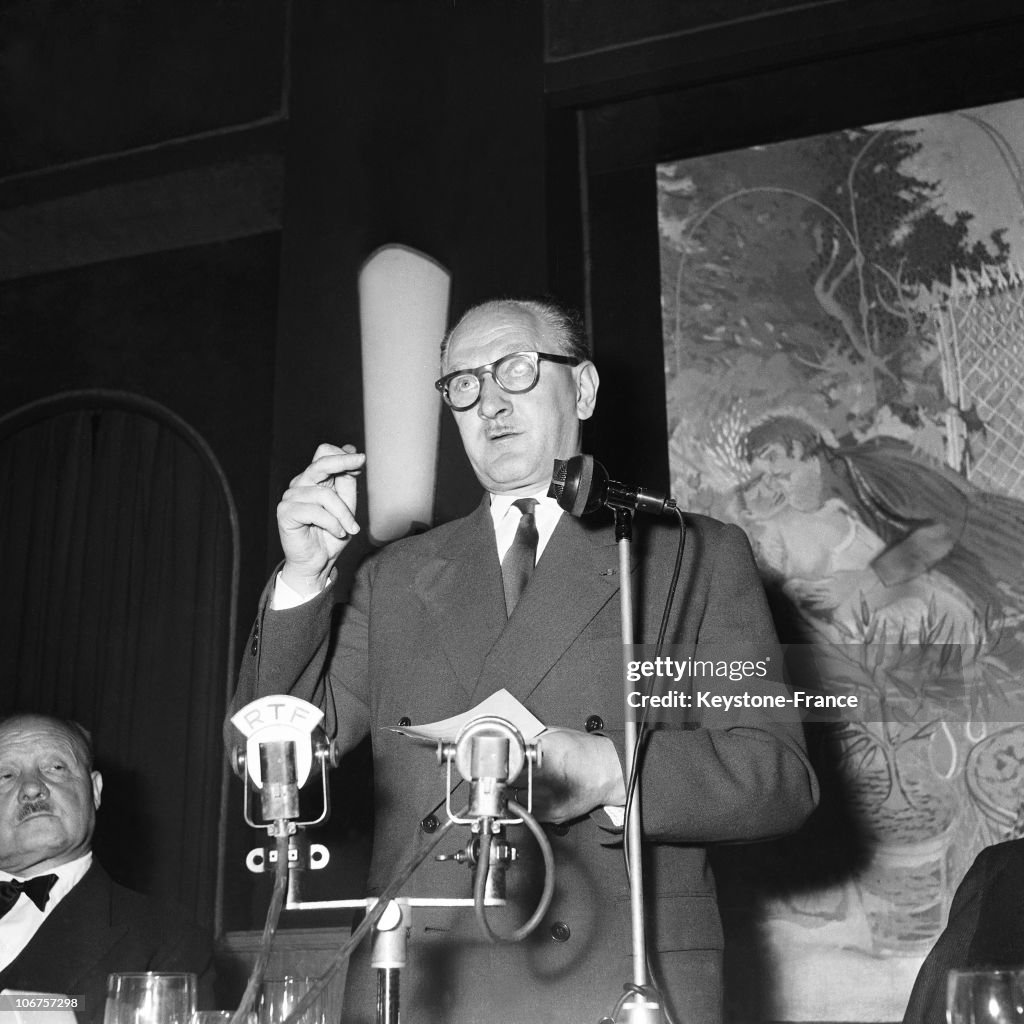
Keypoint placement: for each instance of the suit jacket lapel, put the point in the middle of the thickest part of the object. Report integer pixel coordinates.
(576, 576)
(462, 590)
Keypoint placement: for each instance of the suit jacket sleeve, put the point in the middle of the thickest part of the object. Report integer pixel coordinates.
(298, 651)
(741, 774)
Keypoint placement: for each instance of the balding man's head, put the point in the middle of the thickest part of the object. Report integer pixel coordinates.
(560, 328)
(48, 793)
(513, 431)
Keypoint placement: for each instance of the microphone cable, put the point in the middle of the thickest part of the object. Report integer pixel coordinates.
(483, 869)
(259, 967)
(631, 989)
(373, 915)
(634, 762)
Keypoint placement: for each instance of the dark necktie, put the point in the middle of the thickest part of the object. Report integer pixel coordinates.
(36, 889)
(517, 565)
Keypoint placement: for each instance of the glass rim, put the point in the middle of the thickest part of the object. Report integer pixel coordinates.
(151, 974)
(985, 972)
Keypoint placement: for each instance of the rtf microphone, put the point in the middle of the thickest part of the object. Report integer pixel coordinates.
(581, 485)
(284, 746)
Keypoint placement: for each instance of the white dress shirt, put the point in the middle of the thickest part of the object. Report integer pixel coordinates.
(22, 921)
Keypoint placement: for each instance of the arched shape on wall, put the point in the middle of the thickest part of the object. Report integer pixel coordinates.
(119, 609)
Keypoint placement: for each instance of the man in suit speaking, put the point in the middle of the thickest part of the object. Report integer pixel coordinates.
(438, 622)
(64, 924)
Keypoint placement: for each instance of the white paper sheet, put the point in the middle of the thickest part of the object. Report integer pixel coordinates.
(500, 705)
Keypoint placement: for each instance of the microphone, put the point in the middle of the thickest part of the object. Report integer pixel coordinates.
(284, 746)
(279, 795)
(489, 753)
(580, 485)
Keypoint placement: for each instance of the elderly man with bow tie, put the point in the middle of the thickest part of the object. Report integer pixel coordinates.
(64, 923)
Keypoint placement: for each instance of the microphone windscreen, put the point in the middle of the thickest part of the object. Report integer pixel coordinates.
(558, 472)
(572, 484)
(581, 472)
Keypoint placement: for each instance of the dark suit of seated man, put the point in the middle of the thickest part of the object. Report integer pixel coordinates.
(985, 929)
(66, 932)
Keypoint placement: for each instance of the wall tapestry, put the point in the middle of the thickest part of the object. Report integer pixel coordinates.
(844, 358)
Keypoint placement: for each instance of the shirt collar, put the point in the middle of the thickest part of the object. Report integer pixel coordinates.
(501, 503)
(66, 874)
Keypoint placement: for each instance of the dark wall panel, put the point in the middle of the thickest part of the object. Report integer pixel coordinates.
(629, 431)
(917, 76)
(579, 26)
(192, 329)
(419, 123)
(83, 80)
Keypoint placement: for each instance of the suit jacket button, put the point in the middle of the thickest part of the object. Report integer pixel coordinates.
(429, 823)
(560, 931)
(595, 723)
(403, 722)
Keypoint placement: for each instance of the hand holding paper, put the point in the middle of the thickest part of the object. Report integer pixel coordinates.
(578, 773)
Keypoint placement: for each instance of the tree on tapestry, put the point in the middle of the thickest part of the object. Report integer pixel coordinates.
(799, 269)
(800, 279)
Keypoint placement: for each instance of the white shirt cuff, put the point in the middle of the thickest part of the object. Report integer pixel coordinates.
(286, 597)
(616, 814)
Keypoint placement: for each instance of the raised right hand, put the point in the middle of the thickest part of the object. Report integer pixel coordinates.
(316, 516)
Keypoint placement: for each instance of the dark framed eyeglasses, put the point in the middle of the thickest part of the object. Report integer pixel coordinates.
(516, 373)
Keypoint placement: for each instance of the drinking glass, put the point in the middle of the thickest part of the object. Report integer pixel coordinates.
(212, 1017)
(279, 997)
(150, 998)
(985, 997)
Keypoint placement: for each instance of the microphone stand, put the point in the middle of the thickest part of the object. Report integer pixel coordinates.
(641, 1009)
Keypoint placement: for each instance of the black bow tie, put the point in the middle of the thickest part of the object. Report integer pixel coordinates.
(36, 889)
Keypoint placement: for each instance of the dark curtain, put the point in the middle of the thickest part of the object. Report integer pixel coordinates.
(117, 534)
